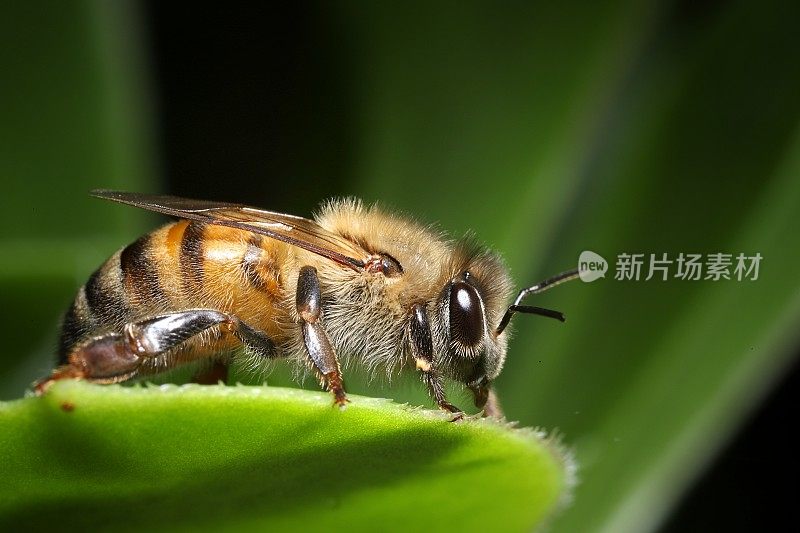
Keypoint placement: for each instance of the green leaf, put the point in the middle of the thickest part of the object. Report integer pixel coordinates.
(242, 457)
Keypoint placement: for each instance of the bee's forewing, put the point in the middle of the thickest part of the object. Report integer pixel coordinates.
(294, 230)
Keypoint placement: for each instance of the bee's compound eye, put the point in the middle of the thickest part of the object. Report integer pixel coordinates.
(466, 314)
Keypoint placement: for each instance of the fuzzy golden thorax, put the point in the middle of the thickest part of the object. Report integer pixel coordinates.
(367, 314)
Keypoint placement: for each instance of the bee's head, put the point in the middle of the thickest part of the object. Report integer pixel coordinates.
(474, 352)
(469, 308)
(473, 317)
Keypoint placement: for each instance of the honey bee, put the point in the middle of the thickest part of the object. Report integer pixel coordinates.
(374, 286)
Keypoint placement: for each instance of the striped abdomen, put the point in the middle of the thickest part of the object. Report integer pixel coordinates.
(182, 265)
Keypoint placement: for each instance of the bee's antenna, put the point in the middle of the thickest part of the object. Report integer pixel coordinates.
(539, 288)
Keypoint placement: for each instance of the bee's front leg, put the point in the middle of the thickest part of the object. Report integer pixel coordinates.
(486, 399)
(422, 349)
(318, 346)
(115, 357)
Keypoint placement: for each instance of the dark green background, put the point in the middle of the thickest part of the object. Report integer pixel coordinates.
(613, 126)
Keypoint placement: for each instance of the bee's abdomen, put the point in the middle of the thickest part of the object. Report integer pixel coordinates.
(139, 273)
(125, 286)
(77, 324)
(183, 265)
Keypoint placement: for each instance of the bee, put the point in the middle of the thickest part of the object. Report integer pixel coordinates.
(377, 287)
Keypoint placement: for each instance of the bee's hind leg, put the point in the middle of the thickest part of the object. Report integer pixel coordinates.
(318, 346)
(116, 357)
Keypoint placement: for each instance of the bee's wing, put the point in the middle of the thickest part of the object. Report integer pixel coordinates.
(297, 231)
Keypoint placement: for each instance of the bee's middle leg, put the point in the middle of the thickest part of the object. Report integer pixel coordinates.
(116, 357)
(216, 373)
(318, 346)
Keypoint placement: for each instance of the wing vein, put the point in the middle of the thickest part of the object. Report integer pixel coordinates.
(296, 231)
